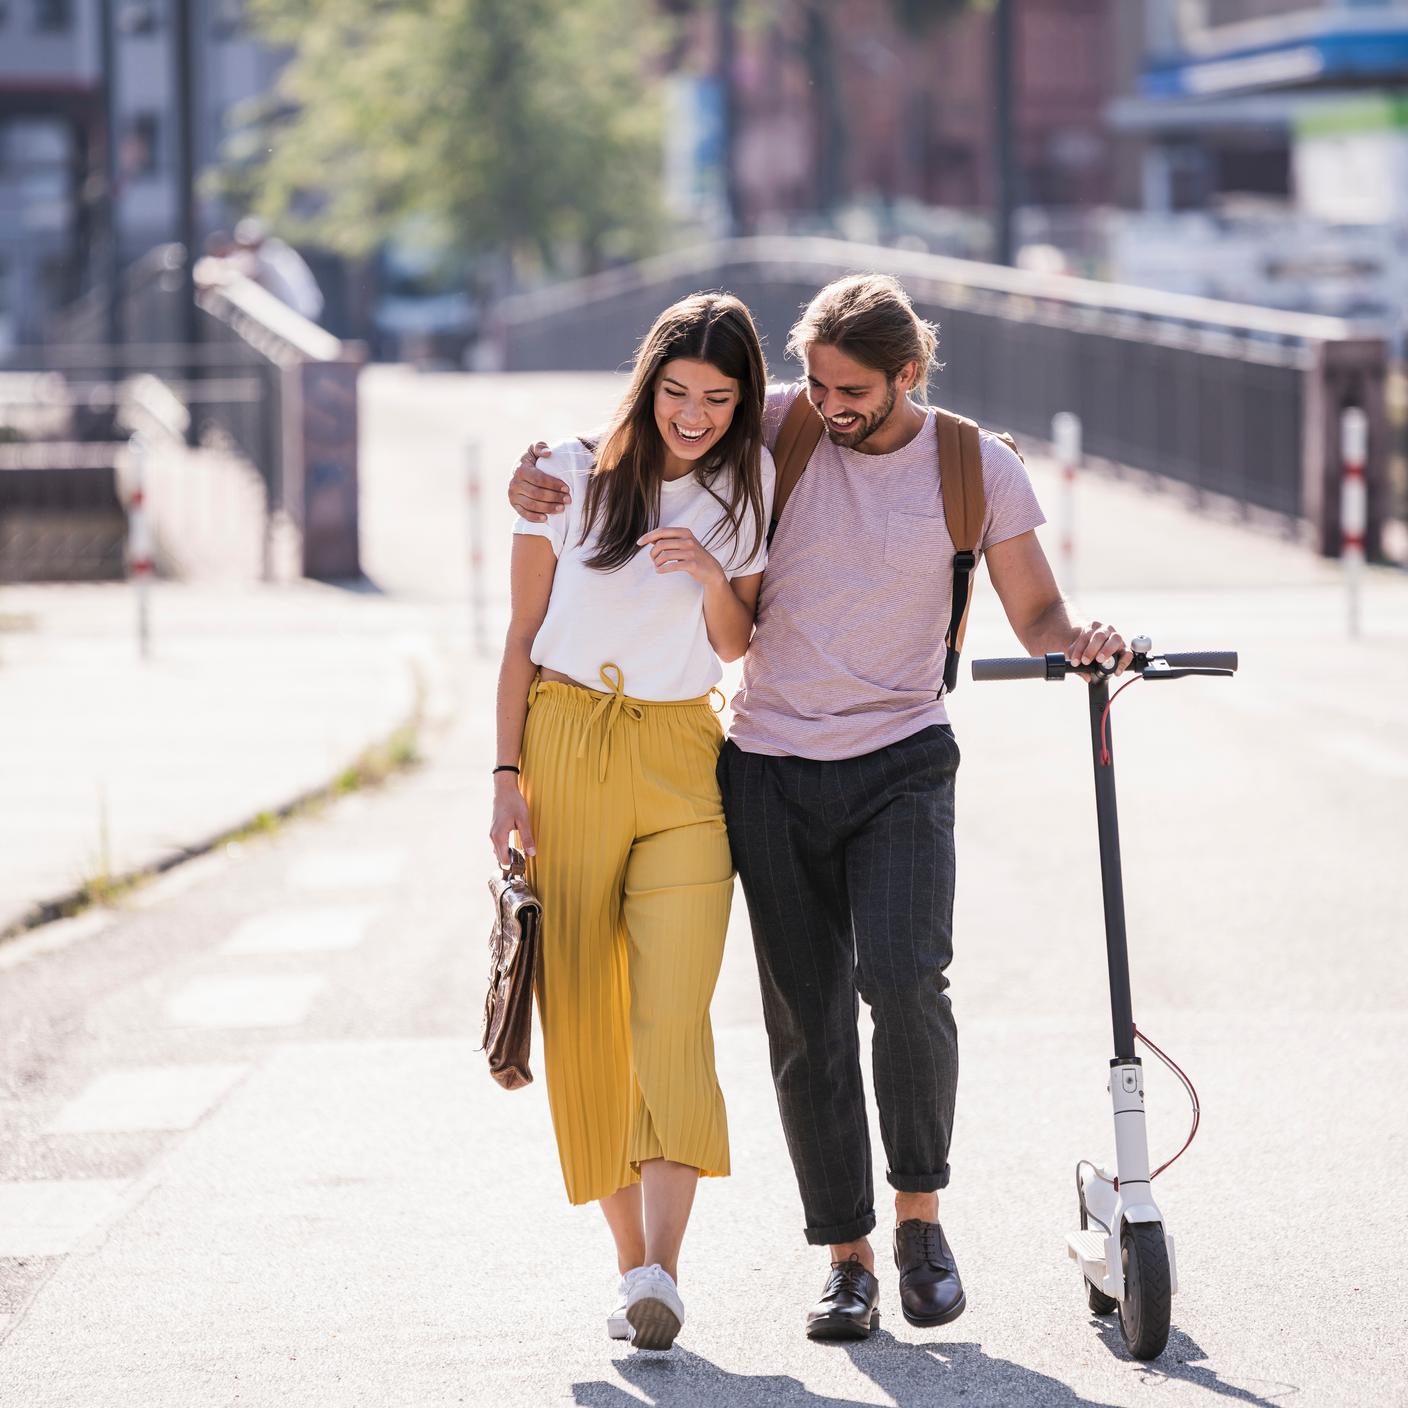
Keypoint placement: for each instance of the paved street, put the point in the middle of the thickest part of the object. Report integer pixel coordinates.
(249, 1155)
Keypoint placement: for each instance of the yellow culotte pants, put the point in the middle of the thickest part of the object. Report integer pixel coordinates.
(634, 873)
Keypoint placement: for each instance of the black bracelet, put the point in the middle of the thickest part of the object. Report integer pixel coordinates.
(508, 767)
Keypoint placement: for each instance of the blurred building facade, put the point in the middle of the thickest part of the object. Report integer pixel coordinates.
(1273, 140)
(1231, 91)
(57, 108)
(846, 109)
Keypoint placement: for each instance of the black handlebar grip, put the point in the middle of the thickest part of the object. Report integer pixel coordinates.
(1020, 667)
(1202, 659)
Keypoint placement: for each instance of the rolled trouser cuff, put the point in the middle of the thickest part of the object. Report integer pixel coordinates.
(918, 1182)
(851, 1231)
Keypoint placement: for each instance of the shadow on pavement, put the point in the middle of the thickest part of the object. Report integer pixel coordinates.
(357, 586)
(1177, 1363)
(912, 1375)
(942, 1372)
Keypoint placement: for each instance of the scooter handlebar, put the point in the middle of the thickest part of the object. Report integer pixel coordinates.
(1057, 667)
(1019, 667)
(1201, 659)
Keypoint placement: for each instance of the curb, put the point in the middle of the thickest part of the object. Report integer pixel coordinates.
(78, 901)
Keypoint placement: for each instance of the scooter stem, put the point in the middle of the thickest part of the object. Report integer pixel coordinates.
(1112, 882)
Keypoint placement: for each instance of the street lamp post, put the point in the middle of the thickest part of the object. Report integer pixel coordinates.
(1002, 94)
(184, 56)
(111, 271)
(727, 35)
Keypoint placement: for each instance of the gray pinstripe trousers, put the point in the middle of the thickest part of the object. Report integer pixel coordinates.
(848, 870)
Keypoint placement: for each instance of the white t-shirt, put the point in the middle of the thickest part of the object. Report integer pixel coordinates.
(649, 624)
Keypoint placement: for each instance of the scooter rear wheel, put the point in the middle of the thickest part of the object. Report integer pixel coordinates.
(1098, 1301)
(1148, 1293)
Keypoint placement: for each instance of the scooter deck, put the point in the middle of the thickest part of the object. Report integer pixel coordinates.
(1087, 1250)
(1086, 1246)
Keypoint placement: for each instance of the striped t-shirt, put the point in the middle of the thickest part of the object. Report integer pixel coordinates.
(849, 650)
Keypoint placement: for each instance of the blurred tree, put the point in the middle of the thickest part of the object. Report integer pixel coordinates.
(525, 129)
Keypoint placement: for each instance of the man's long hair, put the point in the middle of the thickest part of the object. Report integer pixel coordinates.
(869, 317)
(623, 493)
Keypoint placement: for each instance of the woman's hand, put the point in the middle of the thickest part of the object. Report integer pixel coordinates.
(678, 550)
(510, 815)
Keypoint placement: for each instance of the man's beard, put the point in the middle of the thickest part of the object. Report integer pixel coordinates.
(868, 425)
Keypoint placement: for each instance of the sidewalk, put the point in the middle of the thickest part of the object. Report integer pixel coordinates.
(251, 698)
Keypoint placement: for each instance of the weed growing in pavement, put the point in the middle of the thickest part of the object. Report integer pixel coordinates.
(398, 753)
(376, 765)
(263, 824)
(100, 888)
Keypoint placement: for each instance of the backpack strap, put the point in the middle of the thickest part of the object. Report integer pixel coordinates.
(961, 485)
(799, 436)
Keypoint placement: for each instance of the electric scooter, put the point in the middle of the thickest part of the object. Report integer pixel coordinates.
(1127, 1257)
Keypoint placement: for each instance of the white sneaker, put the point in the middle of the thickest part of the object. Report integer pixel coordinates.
(653, 1307)
(617, 1326)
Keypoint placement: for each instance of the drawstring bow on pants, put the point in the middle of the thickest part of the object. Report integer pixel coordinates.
(612, 705)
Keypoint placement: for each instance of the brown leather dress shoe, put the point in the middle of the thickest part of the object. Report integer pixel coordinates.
(846, 1310)
(930, 1291)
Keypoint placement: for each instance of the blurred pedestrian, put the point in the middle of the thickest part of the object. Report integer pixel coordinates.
(276, 266)
(838, 780)
(642, 585)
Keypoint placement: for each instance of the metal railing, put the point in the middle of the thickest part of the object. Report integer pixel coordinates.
(261, 381)
(1232, 400)
(230, 386)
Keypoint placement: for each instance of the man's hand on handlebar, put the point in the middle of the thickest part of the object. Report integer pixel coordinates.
(533, 494)
(1101, 645)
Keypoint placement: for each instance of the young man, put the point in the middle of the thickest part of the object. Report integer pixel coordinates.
(838, 782)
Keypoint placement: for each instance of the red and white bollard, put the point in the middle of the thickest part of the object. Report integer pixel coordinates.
(140, 567)
(1065, 435)
(478, 591)
(1354, 505)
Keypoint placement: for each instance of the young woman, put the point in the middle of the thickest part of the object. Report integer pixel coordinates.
(623, 607)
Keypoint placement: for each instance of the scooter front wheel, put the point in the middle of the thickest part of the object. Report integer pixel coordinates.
(1148, 1292)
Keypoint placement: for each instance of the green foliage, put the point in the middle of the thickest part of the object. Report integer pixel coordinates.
(525, 126)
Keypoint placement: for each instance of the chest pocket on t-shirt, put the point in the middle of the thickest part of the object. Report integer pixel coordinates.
(916, 543)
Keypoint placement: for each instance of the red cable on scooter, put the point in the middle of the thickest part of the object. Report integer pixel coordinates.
(1105, 721)
(1187, 1085)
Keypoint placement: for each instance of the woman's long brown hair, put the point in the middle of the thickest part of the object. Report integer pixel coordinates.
(623, 493)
